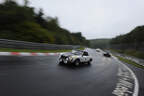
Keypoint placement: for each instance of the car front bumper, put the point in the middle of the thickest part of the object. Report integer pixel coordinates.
(66, 60)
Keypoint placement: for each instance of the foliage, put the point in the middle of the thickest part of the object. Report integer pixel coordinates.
(135, 53)
(100, 43)
(34, 50)
(130, 62)
(135, 36)
(19, 22)
(130, 43)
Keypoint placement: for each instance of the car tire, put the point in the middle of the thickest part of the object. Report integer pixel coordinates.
(89, 62)
(77, 62)
(61, 62)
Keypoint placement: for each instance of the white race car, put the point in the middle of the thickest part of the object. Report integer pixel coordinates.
(76, 58)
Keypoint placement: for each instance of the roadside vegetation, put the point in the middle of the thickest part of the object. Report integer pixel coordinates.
(22, 22)
(135, 36)
(134, 53)
(34, 50)
(131, 43)
(99, 43)
(130, 62)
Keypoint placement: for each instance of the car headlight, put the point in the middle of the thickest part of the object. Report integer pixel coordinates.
(67, 59)
(70, 58)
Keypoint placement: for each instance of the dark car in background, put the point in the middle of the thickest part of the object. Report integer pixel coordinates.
(107, 54)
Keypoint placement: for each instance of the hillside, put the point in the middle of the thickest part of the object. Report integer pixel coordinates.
(99, 43)
(131, 43)
(135, 36)
(21, 22)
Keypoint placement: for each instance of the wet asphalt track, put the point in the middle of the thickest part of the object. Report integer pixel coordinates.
(43, 76)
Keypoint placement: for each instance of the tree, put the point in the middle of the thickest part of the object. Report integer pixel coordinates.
(26, 2)
(23, 23)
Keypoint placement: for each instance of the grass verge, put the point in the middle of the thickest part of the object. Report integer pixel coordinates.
(130, 62)
(134, 53)
(34, 50)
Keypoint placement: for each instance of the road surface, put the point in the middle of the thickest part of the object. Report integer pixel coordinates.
(43, 76)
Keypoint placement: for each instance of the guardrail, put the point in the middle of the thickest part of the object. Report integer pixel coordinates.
(135, 46)
(134, 59)
(4, 43)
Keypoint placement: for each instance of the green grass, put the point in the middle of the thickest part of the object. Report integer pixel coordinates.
(130, 62)
(81, 48)
(28, 50)
(134, 53)
(34, 50)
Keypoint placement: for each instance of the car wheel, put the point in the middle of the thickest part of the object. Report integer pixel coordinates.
(89, 62)
(61, 62)
(77, 63)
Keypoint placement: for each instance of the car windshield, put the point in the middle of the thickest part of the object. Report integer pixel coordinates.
(77, 53)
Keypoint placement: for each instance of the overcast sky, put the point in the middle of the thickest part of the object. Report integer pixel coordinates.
(95, 18)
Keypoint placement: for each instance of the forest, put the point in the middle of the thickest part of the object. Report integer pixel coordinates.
(100, 43)
(131, 43)
(135, 36)
(21, 22)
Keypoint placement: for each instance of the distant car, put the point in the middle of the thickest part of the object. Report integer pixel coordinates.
(76, 58)
(107, 54)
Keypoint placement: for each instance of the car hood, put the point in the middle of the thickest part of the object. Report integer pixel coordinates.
(67, 54)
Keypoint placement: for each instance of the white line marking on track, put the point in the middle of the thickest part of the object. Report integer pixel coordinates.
(28, 54)
(5, 53)
(25, 54)
(136, 87)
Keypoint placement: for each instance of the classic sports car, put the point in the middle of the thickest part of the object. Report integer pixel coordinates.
(76, 58)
